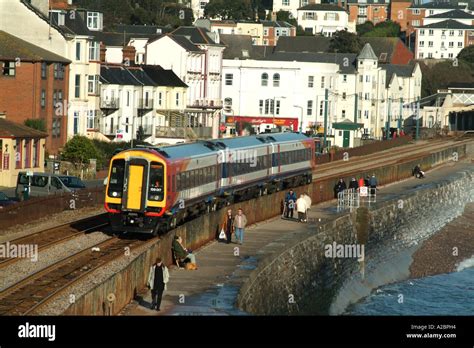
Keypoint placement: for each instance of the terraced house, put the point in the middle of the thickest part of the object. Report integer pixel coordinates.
(69, 32)
(34, 83)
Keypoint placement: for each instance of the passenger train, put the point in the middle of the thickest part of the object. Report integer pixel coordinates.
(153, 189)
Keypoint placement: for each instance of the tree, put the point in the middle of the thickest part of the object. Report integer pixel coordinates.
(79, 150)
(442, 74)
(37, 124)
(345, 42)
(235, 9)
(364, 28)
(384, 29)
(467, 55)
(286, 16)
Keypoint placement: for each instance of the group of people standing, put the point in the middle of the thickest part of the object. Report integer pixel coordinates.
(302, 205)
(369, 181)
(233, 224)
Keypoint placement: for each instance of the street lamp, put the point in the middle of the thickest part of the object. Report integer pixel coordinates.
(300, 123)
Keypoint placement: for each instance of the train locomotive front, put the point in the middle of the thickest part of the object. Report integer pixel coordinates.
(136, 192)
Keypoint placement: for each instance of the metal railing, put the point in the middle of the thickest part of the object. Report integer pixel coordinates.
(352, 198)
(113, 103)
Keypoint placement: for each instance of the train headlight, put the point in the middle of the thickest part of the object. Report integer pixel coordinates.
(114, 194)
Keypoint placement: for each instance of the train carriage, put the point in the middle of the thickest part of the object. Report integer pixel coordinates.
(153, 189)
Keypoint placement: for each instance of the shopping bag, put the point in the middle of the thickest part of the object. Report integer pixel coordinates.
(222, 235)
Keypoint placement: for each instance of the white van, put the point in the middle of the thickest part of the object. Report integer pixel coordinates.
(43, 184)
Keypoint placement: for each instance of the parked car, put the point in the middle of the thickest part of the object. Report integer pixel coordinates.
(5, 200)
(43, 184)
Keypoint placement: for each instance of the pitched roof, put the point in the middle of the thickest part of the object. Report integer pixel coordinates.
(142, 29)
(10, 129)
(448, 24)
(321, 7)
(399, 70)
(383, 47)
(183, 41)
(240, 47)
(120, 39)
(163, 77)
(196, 35)
(437, 5)
(456, 14)
(367, 53)
(277, 24)
(375, 2)
(13, 48)
(42, 16)
(119, 75)
(340, 59)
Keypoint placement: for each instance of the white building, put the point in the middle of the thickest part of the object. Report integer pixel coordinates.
(198, 7)
(197, 60)
(324, 19)
(443, 40)
(292, 6)
(145, 98)
(357, 86)
(462, 16)
(69, 34)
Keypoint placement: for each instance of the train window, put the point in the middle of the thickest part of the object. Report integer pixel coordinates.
(178, 182)
(157, 183)
(202, 179)
(116, 178)
(187, 180)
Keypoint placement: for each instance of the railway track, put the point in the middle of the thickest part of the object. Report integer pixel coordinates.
(385, 158)
(29, 295)
(57, 235)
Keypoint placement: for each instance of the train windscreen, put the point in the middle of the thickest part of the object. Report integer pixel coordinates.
(156, 184)
(116, 178)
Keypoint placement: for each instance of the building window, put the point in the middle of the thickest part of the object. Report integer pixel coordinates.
(344, 78)
(430, 43)
(78, 51)
(459, 44)
(229, 79)
(76, 122)
(450, 55)
(415, 23)
(460, 33)
(228, 104)
(366, 114)
(260, 106)
(321, 108)
(128, 98)
(160, 98)
(451, 44)
(415, 11)
(265, 32)
(309, 108)
(43, 98)
(264, 79)
(285, 2)
(451, 33)
(203, 5)
(361, 78)
(177, 99)
(94, 51)
(322, 81)
(430, 32)
(59, 101)
(18, 159)
(90, 119)
(36, 153)
(430, 55)
(9, 68)
(422, 32)
(44, 70)
(421, 44)
(77, 86)
(343, 95)
(367, 96)
(92, 84)
(276, 80)
(277, 107)
(431, 12)
(265, 42)
(58, 71)
(367, 78)
(310, 81)
(94, 20)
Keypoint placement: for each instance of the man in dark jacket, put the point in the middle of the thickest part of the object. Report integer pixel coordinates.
(157, 279)
(354, 184)
(417, 172)
(339, 187)
(290, 201)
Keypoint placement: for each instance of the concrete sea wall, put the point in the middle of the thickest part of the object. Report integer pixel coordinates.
(299, 279)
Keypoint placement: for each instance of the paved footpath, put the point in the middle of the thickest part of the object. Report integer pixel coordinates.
(213, 288)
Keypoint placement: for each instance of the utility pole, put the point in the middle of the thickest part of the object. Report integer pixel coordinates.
(326, 97)
(417, 118)
(355, 107)
(400, 118)
(387, 127)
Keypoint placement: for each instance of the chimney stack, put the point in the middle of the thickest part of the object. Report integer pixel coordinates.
(129, 55)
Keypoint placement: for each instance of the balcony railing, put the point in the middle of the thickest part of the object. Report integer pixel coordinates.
(109, 130)
(191, 133)
(111, 104)
(207, 103)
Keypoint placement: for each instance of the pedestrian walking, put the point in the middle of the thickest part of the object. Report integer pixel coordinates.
(290, 201)
(301, 208)
(157, 280)
(228, 225)
(373, 184)
(240, 221)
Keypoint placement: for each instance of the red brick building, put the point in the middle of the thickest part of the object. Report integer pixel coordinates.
(34, 84)
(375, 11)
(399, 12)
(273, 30)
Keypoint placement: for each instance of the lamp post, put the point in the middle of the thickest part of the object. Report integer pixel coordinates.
(326, 97)
(300, 123)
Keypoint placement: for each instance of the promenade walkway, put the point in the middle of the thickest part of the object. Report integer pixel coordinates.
(213, 288)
